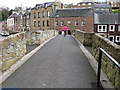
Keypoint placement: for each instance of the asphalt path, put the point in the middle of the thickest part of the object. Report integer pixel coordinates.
(58, 64)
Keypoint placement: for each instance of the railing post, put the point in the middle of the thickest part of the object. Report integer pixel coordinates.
(99, 68)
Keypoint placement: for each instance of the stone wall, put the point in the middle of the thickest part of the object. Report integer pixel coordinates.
(12, 49)
(84, 37)
(112, 71)
(39, 37)
(97, 41)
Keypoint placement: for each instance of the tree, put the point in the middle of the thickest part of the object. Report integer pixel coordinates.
(10, 12)
(4, 12)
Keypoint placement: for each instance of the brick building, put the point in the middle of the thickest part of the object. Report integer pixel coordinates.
(109, 24)
(74, 18)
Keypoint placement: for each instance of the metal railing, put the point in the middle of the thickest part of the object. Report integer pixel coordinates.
(99, 64)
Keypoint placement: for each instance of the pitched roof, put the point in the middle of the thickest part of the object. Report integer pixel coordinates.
(73, 12)
(106, 18)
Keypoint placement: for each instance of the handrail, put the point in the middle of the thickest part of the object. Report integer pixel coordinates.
(99, 64)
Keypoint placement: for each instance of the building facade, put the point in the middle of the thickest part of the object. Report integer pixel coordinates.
(73, 18)
(108, 24)
(41, 13)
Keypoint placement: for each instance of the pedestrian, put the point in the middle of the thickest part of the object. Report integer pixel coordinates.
(65, 30)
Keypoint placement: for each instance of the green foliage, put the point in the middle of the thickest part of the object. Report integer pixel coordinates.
(115, 11)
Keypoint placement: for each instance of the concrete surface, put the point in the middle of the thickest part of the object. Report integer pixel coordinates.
(59, 64)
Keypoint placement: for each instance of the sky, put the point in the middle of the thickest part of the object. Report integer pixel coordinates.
(31, 3)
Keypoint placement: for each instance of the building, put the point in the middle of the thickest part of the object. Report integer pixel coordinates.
(114, 4)
(41, 13)
(85, 4)
(12, 22)
(102, 7)
(28, 20)
(108, 24)
(74, 18)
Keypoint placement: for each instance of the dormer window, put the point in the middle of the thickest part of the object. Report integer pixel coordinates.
(112, 28)
(102, 28)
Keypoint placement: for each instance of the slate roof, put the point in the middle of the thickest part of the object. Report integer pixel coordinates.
(73, 12)
(106, 18)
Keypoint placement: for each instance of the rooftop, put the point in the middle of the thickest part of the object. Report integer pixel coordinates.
(106, 18)
(73, 12)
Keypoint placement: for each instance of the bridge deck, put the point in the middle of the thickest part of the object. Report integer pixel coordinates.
(59, 64)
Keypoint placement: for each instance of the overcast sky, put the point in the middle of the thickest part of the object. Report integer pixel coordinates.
(31, 3)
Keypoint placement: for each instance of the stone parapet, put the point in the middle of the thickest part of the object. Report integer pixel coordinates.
(112, 71)
(12, 49)
(84, 37)
(39, 36)
(97, 41)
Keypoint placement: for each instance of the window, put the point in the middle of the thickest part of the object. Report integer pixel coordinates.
(38, 23)
(43, 23)
(111, 38)
(102, 9)
(83, 23)
(47, 22)
(102, 28)
(69, 23)
(83, 4)
(27, 15)
(97, 8)
(34, 15)
(62, 23)
(56, 23)
(21, 24)
(76, 23)
(89, 3)
(112, 28)
(34, 23)
(78, 4)
(117, 38)
(39, 15)
(48, 14)
(43, 14)
(27, 23)
(119, 28)
(107, 10)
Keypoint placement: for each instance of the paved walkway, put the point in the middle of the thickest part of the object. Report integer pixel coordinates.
(59, 64)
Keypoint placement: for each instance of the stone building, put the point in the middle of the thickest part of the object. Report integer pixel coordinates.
(13, 22)
(41, 13)
(74, 18)
(28, 20)
(108, 24)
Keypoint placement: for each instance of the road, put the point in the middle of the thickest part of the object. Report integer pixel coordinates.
(59, 64)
